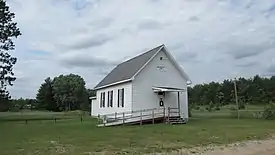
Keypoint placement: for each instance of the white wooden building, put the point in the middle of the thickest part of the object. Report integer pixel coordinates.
(152, 80)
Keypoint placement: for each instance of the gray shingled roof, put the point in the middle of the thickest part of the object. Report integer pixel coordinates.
(127, 69)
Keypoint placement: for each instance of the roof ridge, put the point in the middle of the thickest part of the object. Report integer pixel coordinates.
(142, 53)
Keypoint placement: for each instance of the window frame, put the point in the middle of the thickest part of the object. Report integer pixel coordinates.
(110, 98)
(102, 99)
(120, 99)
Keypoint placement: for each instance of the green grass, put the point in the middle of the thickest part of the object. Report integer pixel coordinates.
(71, 136)
(38, 115)
(250, 112)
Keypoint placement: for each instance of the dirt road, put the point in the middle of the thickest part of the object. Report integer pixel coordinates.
(256, 147)
(264, 147)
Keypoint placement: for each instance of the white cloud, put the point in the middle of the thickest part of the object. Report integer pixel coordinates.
(212, 39)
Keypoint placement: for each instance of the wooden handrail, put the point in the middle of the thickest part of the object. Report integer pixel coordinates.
(142, 114)
(131, 112)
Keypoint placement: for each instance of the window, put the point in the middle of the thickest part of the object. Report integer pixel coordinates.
(160, 58)
(110, 99)
(102, 100)
(120, 102)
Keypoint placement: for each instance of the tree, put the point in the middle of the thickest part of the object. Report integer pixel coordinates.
(85, 105)
(91, 93)
(45, 96)
(19, 103)
(5, 103)
(8, 30)
(69, 91)
(256, 90)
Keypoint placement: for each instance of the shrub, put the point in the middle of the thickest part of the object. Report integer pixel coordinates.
(217, 108)
(241, 106)
(269, 112)
(210, 107)
(189, 112)
(14, 109)
(233, 109)
(197, 108)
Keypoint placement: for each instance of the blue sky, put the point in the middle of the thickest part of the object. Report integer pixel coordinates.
(211, 39)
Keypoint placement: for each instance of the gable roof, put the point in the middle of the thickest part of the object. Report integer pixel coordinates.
(127, 70)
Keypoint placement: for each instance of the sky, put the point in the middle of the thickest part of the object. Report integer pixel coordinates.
(211, 39)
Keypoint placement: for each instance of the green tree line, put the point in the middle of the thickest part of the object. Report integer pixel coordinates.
(256, 90)
(68, 92)
(62, 93)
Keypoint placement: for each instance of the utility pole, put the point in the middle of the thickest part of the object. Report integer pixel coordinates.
(236, 97)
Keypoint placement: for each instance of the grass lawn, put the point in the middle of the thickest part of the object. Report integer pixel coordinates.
(249, 112)
(71, 136)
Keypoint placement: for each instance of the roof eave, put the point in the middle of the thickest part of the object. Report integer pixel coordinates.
(112, 84)
(186, 77)
(92, 97)
(161, 89)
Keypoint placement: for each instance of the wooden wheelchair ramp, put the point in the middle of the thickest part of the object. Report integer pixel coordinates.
(169, 116)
